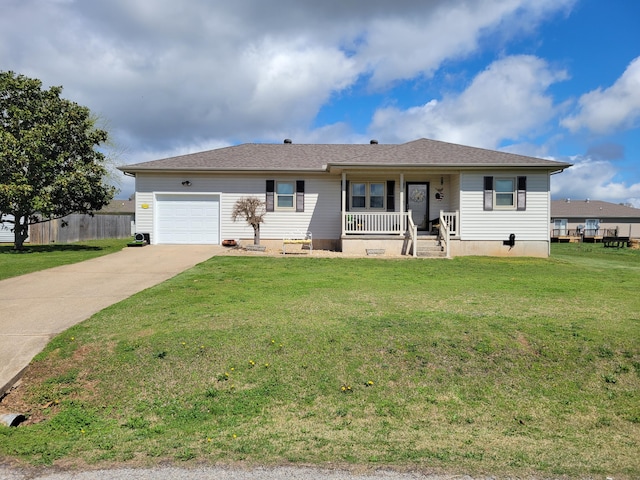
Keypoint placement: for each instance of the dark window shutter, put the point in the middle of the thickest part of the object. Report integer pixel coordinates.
(271, 188)
(391, 195)
(347, 196)
(488, 193)
(299, 195)
(522, 193)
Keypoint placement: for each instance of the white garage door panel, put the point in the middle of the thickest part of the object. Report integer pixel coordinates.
(188, 219)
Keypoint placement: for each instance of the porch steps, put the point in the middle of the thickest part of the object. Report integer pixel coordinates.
(429, 248)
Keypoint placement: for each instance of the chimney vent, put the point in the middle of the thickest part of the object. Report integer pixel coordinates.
(373, 142)
(287, 140)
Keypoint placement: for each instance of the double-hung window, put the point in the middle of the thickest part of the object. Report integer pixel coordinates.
(367, 195)
(285, 192)
(505, 193)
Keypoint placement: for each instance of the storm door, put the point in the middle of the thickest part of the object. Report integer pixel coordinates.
(418, 203)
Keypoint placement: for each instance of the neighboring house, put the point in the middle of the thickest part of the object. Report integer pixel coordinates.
(353, 198)
(592, 220)
(6, 230)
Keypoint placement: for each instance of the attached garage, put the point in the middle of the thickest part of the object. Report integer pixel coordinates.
(187, 219)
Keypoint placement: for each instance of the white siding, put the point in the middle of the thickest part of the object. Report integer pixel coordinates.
(6, 235)
(321, 203)
(477, 224)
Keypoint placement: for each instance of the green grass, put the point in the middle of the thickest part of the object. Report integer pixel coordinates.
(40, 257)
(506, 367)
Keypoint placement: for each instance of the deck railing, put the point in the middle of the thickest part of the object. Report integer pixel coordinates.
(389, 223)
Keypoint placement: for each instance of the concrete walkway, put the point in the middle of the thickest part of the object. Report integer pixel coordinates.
(37, 306)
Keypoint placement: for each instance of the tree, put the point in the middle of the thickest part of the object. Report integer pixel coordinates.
(252, 210)
(49, 165)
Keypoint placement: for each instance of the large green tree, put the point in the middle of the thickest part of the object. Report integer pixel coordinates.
(49, 163)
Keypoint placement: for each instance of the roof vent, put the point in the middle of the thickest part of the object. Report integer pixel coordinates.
(287, 140)
(373, 142)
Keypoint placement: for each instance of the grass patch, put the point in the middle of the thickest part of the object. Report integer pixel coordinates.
(40, 257)
(473, 366)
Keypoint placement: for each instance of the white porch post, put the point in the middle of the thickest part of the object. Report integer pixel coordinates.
(344, 203)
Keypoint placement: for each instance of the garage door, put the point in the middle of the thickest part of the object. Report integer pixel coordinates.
(188, 219)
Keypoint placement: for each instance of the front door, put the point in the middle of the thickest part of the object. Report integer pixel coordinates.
(418, 203)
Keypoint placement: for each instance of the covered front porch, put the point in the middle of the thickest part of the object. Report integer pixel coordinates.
(396, 232)
(397, 212)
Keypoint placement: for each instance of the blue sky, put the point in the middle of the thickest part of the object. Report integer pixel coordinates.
(557, 79)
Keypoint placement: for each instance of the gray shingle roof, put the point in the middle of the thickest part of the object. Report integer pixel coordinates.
(591, 209)
(321, 157)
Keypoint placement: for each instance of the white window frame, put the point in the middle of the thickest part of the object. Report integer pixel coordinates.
(513, 193)
(367, 196)
(278, 196)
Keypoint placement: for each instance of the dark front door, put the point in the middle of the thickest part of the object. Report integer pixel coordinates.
(418, 203)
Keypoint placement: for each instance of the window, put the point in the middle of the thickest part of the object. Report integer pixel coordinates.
(501, 193)
(359, 195)
(376, 195)
(284, 194)
(367, 195)
(505, 193)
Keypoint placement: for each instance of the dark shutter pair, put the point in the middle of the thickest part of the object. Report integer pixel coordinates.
(521, 193)
(271, 193)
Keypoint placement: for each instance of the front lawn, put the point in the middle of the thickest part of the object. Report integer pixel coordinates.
(480, 366)
(40, 257)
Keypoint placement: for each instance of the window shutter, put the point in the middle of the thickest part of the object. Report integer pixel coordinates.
(347, 195)
(391, 195)
(522, 193)
(299, 195)
(488, 193)
(271, 188)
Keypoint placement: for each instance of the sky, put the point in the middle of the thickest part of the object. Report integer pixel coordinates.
(555, 79)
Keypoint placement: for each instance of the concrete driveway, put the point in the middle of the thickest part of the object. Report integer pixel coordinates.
(37, 306)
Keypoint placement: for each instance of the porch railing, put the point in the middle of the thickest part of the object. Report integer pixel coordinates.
(451, 220)
(445, 233)
(412, 230)
(390, 223)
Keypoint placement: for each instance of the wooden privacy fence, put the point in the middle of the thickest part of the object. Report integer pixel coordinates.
(81, 227)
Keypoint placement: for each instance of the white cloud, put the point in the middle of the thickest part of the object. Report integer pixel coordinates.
(403, 47)
(506, 101)
(595, 179)
(181, 73)
(617, 107)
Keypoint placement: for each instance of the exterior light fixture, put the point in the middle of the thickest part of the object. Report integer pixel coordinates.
(186, 183)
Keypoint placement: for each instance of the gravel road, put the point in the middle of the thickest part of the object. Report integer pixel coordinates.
(219, 473)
